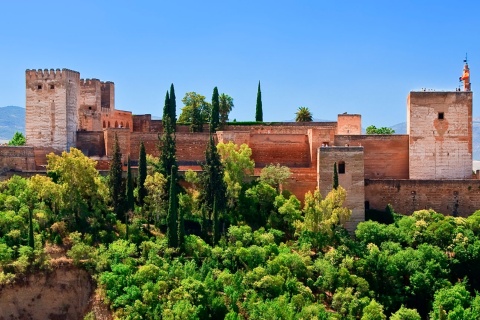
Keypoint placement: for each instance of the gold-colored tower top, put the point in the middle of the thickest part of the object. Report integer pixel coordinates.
(466, 77)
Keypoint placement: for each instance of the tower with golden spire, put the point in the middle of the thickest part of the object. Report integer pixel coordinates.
(466, 76)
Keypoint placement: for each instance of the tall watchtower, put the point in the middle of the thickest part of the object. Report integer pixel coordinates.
(439, 125)
(52, 108)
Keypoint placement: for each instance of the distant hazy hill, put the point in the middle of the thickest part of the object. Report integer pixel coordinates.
(401, 128)
(12, 119)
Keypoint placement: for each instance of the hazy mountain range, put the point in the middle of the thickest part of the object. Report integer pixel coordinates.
(12, 119)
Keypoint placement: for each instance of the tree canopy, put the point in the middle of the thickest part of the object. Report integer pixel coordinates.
(383, 130)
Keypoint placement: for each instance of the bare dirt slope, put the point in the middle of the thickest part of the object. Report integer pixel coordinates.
(63, 293)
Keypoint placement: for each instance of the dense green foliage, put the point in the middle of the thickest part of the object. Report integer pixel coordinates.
(258, 107)
(383, 130)
(265, 257)
(18, 139)
(196, 109)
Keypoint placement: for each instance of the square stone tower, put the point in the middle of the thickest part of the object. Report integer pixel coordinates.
(439, 125)
(351, 176)
(52, 108)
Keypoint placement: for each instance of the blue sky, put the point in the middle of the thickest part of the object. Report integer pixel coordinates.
(330, 56)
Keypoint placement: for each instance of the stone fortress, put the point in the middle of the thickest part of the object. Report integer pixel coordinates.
(429, 167)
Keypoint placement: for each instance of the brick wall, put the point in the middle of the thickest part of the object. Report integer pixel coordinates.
(385, 156)
(91, 143)
(407, 196)
(17, 158)
(291, 150)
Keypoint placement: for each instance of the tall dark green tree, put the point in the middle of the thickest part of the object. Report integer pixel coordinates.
(214, 188)
(181, 229)
(335, 176)
(116, 185)
(226, 105)
(166, 106)
(214, 118)
(258, 109)
(172, 216)
(129, 204)
(168, 144)
(31, 239)
(215, 223)
(142, 174)
(173, 107)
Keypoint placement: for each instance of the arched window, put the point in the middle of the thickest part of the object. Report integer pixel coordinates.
(341, 167)
(104, 123)
(116, 124)
(121, 124)
(128, 125)
(109, 124)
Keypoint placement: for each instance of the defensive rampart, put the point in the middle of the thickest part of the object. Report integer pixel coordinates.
(450, 197)
(386, 156)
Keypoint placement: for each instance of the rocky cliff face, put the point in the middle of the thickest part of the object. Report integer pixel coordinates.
(64, 293)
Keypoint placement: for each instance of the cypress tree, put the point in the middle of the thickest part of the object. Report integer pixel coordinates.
(335, 176)
(172, 228)
(173, 107)
(167, 149)
(214, 189)
(115, 180)
(259, 110)
(214, 117)
(215, 223)
(130, 201)
(31, 239)
(181, 230)
(166, 106)
(142, 174)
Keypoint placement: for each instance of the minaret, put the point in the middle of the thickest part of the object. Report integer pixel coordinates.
(466, 76)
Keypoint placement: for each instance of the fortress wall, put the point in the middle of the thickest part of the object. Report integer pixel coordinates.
(17, 158)
(352, 179)
(150, 141)
(291, 150)
(123, 136)
(237, 137)
(156, 126)
(301, 181)
(141, 123)
(440, 128)
(40, 155)
(318, 137)
(385, 156)
(118, 119)
(91, 143)
(283, 127)
(191, 147)
(349, 124)
(407, 196)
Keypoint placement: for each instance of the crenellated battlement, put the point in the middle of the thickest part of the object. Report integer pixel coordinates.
(89, 82)
(51, 74)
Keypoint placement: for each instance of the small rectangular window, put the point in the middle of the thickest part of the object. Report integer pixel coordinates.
(52, 87)
(39, 87)
(441, 116)
(341, 167)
